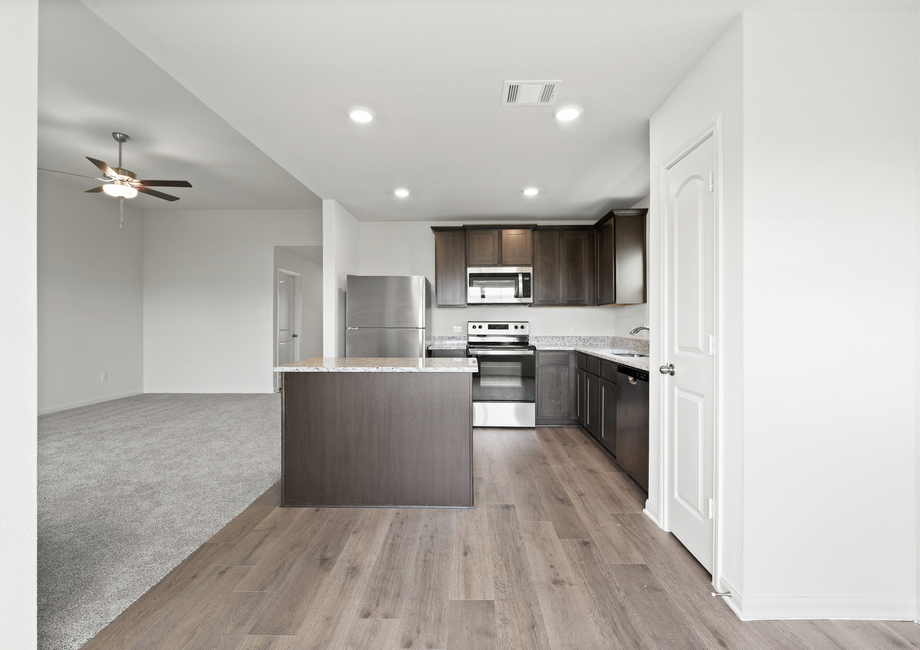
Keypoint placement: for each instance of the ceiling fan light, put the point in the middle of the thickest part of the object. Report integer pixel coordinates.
(120, 189)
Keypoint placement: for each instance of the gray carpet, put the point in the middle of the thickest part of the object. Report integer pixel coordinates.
(127, 489)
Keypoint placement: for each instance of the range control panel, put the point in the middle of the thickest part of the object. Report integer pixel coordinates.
(498, 327)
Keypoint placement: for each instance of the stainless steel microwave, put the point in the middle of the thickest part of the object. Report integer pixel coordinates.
(499, 285)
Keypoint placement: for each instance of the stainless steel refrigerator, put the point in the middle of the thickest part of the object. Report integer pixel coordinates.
(387, 315)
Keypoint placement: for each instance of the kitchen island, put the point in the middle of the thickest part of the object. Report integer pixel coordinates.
(366, 432)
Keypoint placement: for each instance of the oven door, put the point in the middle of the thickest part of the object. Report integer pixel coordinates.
(504, 388)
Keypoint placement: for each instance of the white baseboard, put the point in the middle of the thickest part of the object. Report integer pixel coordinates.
(734, 601)
(816, 607)
(88, 402)
(651, 511)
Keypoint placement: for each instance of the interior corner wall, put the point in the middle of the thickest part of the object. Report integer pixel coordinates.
(18, 359)
(90, 297)
(341, 257)
(209, 285)
(830, 251)
(916, 30)
(311, 302)
(710, 90)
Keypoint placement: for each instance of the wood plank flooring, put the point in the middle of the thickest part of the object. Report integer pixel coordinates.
(555, 556)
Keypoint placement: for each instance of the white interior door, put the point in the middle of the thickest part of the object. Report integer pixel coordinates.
(286, 333)
(689, 321)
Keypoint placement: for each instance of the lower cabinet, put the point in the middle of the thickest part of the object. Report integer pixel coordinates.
(556, 383)
(593, 408)
(608, 424)
(581, 396)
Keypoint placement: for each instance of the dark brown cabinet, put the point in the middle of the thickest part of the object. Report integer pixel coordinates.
(593, 405)
(608, 424)
(499, 246)
(563, 266)
(581, 395)
(450, 266)
(621, 258)
(555, 386)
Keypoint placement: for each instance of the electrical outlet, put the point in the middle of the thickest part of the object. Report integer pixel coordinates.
(576, 329)
(220, 371)
(260, 311)
(104, 377)
(458, 329)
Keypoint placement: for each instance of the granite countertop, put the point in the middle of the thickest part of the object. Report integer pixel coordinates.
(606, 347)
(359, 364)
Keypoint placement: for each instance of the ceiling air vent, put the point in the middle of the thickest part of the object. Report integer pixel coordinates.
(529, 93)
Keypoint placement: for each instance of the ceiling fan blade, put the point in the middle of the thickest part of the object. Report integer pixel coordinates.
(108, 171)
(95, 189)
(165, 183)
(159, 195)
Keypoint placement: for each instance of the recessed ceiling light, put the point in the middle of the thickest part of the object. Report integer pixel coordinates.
(361, 114)
(568, 113)
(531, 191)
(401, 192)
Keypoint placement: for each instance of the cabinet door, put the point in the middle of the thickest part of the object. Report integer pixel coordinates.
(553, 400)
(629, 258)
(578, 267)
(450, 267)
(581, 395)
(608, 423)
(547, 280)
(517, 247)
(605, 283)
(483, 247)
(593, 408)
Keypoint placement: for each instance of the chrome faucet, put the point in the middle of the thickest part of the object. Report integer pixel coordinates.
(636, 330)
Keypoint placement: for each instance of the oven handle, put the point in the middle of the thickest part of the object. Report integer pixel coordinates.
(506, 353)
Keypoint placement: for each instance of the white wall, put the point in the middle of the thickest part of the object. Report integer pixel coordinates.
(917, 304)
(90, 297)
(829, 265)
(712, 89)
(311, 303)
(207, 273)
(18, 326)
(341, 254)
(407, 248)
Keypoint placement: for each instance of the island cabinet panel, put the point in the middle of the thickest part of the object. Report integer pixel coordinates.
(547, 271)
(555, 387)
(621, 258)
(483, 247)
(377, 439)
(517, 247)
(450, 266)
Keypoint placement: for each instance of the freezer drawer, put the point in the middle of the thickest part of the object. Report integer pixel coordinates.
(385, 342)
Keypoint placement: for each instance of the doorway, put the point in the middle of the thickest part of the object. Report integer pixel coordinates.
(287, 319)
(689, 344)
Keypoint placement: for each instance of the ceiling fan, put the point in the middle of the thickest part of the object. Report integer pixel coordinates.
(123, 184)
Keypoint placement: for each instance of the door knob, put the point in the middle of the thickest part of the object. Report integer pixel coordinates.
(667, 370)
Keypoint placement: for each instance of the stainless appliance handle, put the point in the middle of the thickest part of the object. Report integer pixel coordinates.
(497, 339)
(520, 286)
(507, 353)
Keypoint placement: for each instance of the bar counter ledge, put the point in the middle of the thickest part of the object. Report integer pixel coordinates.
(377, 432)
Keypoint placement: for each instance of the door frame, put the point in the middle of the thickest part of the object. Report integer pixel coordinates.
(712, 130)
(298, 317)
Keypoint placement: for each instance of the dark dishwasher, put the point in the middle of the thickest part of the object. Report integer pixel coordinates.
(632, 423)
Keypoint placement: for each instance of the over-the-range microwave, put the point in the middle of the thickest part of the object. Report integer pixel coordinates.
(499, 285)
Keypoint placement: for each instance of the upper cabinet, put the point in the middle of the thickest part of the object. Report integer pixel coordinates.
(498, 246)
(563, 266)
(449, 266)
(621, 255)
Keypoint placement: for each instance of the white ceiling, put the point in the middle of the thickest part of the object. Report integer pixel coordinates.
(283, 73)
(92, 82)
